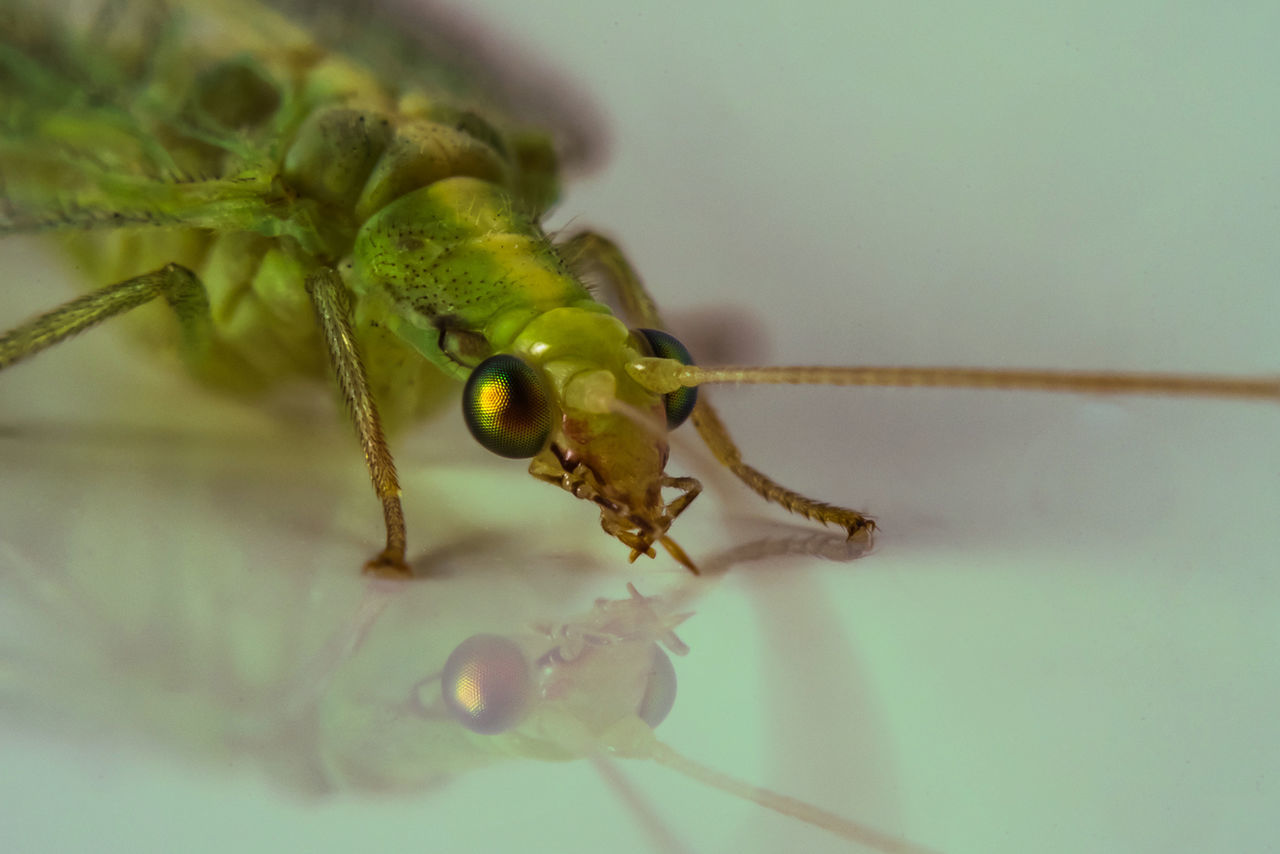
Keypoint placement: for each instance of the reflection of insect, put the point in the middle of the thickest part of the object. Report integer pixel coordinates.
(285, 201)
(338, 686)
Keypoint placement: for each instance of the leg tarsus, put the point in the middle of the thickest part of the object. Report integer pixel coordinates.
(389, 565)
(863, 527)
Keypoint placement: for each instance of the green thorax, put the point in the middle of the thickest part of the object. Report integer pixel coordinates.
(462, 271)
(431, 213)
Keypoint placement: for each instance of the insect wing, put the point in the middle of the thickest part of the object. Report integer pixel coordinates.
(153, 114)
(446, 49)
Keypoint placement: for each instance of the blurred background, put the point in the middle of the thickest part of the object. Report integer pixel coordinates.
(1065, 637)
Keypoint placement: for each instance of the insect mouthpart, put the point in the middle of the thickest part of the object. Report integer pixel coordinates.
(640, 531)
(637, 517)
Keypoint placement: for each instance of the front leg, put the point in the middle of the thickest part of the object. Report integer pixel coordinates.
(590, 251)
(333, 309)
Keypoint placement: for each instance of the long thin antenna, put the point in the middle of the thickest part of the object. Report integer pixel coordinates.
(663, 376)
(808, 813)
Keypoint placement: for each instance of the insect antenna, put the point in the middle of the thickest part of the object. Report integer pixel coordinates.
(664, 376)
(648, 747)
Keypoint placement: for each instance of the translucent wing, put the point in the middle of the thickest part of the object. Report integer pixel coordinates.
(134, 113)
(142, 112)
(442, 47)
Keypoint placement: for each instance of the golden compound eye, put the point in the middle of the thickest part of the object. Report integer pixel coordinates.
(679, 404)
(660, 692)
(506, 407)
(487, 684)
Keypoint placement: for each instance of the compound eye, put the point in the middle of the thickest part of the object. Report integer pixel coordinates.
(507, 408)
(487, 684)
(660, 691)
(679, 404)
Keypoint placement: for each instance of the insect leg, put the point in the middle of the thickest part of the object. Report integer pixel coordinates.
(178, 285)
(590, 250)
(333, 309)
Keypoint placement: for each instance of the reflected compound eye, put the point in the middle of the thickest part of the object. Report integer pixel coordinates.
(660, 693)
(487, 684)
(506, 407)
(679, 404)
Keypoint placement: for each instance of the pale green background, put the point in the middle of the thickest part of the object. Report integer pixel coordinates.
(1067, 639)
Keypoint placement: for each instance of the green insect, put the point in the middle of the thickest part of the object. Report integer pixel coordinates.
(944, 783)
(288, 201)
